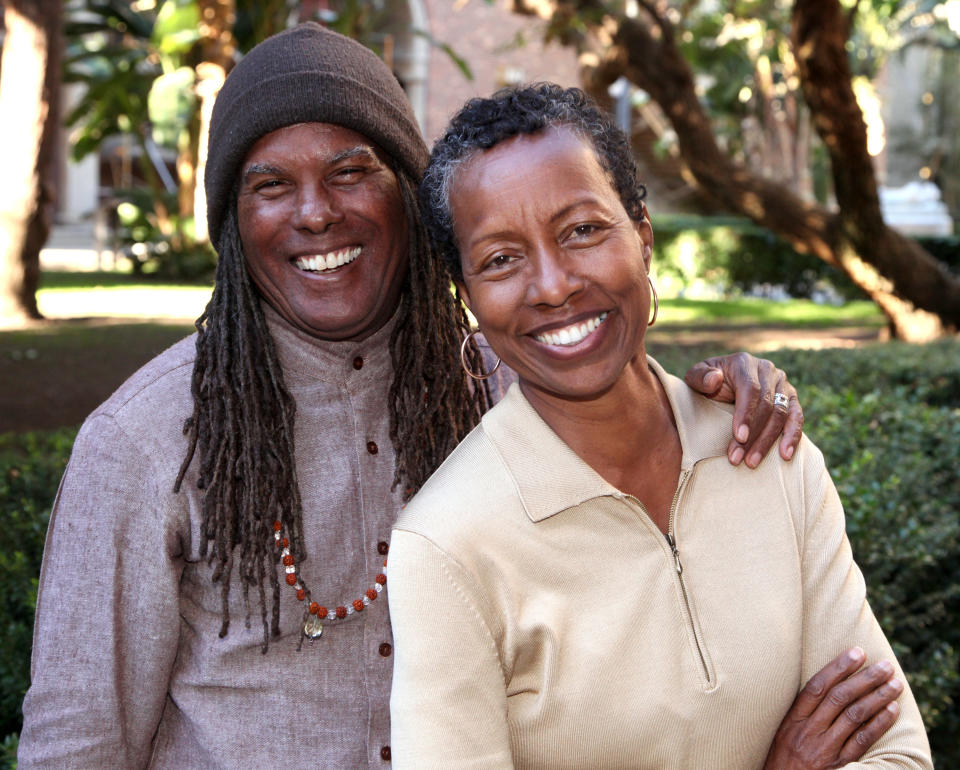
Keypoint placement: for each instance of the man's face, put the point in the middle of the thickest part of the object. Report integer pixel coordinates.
(323, 229)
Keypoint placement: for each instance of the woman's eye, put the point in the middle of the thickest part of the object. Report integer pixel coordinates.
(583, 230)
(500, 260)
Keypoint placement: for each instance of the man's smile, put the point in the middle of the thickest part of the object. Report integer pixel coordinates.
(317, 263)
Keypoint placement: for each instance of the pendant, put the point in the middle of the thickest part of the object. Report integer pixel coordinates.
(313, 627)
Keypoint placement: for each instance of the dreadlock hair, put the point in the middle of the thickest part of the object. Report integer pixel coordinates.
(243, 416)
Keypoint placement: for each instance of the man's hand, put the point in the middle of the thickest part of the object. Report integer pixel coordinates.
(838, 715)
(751, 384)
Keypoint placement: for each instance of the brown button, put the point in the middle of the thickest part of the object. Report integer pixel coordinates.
(385, 753)
(358, 362)
(372, 447)
(382, 547)
(386, 649)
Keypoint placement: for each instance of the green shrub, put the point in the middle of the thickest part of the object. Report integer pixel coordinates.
(887, 418)
(734, 254)
(30, 468)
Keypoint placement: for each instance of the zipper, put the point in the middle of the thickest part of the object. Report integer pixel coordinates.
(672, 542)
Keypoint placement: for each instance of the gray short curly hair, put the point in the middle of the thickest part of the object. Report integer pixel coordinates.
(483, 123)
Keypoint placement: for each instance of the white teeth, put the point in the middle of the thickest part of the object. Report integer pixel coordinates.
(571, 335)
(320, 262)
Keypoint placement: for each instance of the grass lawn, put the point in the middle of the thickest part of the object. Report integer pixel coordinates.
(796, 313)
(119, 295)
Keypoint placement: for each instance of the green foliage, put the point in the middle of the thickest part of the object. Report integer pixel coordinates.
(8, 752)
(30, 468)
(174, 254)
(888, 421)
(733, 254)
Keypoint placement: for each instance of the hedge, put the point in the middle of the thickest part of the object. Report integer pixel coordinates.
(733, 254)
(887, 417)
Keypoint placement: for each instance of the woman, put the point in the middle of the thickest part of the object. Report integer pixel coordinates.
(586, 581)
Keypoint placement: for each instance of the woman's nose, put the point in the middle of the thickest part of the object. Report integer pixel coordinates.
(553, 279)
(316, 209)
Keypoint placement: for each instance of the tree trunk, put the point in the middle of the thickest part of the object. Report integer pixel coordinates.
(29, 87)
(217, 53)
(920, 298)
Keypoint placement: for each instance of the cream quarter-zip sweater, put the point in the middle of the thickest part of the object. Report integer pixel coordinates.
(541, 620)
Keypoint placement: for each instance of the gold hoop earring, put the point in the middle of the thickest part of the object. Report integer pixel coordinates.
(656, 303)
(465, 364)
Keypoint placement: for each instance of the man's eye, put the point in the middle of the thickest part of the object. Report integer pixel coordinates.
(349, 173)
(268, 183)
(584, 230)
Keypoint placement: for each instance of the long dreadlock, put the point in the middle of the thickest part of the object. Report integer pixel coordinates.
(243, 415)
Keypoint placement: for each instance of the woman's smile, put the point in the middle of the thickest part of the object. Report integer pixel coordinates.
(573, 334)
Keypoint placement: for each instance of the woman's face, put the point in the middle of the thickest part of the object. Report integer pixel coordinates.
(554, 270)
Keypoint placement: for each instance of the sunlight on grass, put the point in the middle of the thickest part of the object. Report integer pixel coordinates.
(125, 301)
(795, 312)
(106, 294)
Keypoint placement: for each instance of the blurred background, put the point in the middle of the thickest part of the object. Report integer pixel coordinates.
(802, 160)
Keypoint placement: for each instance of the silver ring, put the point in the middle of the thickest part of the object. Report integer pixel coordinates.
(779, 399)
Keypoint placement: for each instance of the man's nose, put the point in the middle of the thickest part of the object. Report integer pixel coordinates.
(316, 209)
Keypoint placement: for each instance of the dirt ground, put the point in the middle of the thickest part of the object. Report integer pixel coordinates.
(50, 380)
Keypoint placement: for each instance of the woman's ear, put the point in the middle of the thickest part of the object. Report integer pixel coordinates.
(645, 231)
(464, 294)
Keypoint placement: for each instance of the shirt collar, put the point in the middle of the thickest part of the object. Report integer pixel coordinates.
(550, 477)
(307, 359)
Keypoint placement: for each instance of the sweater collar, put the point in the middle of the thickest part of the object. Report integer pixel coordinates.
(550, 477)
(306, 359)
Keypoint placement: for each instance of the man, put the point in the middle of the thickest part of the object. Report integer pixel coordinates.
(212, 574)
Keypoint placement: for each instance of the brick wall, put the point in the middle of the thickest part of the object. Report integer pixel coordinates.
(484, 34)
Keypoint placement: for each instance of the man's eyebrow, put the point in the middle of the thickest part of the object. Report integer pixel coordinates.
(354, 152)
(261, 168)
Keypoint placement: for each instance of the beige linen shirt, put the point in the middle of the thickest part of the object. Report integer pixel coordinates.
(128, 669)
(541, 620)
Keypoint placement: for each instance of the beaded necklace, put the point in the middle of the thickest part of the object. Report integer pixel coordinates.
(315, 613)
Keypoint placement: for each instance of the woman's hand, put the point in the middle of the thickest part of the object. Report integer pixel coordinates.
(750, 384)
(838, 715)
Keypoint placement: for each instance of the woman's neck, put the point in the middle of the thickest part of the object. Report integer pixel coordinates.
(627, 434)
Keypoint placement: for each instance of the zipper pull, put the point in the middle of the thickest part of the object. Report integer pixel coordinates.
(676, 552)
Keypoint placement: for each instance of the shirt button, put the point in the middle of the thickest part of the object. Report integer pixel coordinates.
(382, 547)
(372, 447)
(358, 362)
(386, 649)
(385, 753)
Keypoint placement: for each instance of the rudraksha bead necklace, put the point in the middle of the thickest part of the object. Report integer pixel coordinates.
(314, 613)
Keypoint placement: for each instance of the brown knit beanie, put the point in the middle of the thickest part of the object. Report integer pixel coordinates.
(308, 74)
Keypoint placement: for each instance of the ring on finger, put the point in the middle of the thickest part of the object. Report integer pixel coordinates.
(780, 399)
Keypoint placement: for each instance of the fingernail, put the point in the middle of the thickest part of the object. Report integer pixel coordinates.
(790, 452)
(855, 655)
(885, 666)
(754, 460)
(737, 455)
(893, 708)
(743, 433)
(896, 685)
